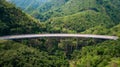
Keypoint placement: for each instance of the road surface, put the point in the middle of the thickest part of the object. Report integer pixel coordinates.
(57, 35)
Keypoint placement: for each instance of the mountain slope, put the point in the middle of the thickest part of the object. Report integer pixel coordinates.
(28, 4)
(81, 21)
(37, 7)
(14, 21)
(78, 17)
(59, 8)
(111, 7)
(103, 30)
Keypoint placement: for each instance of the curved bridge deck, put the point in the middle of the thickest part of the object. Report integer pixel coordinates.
(57, 35)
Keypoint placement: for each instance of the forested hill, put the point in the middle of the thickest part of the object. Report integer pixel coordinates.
(14, 21)
(81, 15)
(55, 8)
(37, 7)
(76, 16)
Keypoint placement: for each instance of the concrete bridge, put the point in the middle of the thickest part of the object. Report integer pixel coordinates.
(24, 36)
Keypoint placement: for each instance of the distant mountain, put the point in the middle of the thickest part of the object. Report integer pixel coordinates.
(37, 8)
(76, 15)
(81, 15)
(44, 10)
(109, 7)
(28, 5)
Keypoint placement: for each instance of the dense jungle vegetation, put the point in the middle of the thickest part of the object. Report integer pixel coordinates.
(60, 16)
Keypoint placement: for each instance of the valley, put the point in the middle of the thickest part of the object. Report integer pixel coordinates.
(96, 17)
